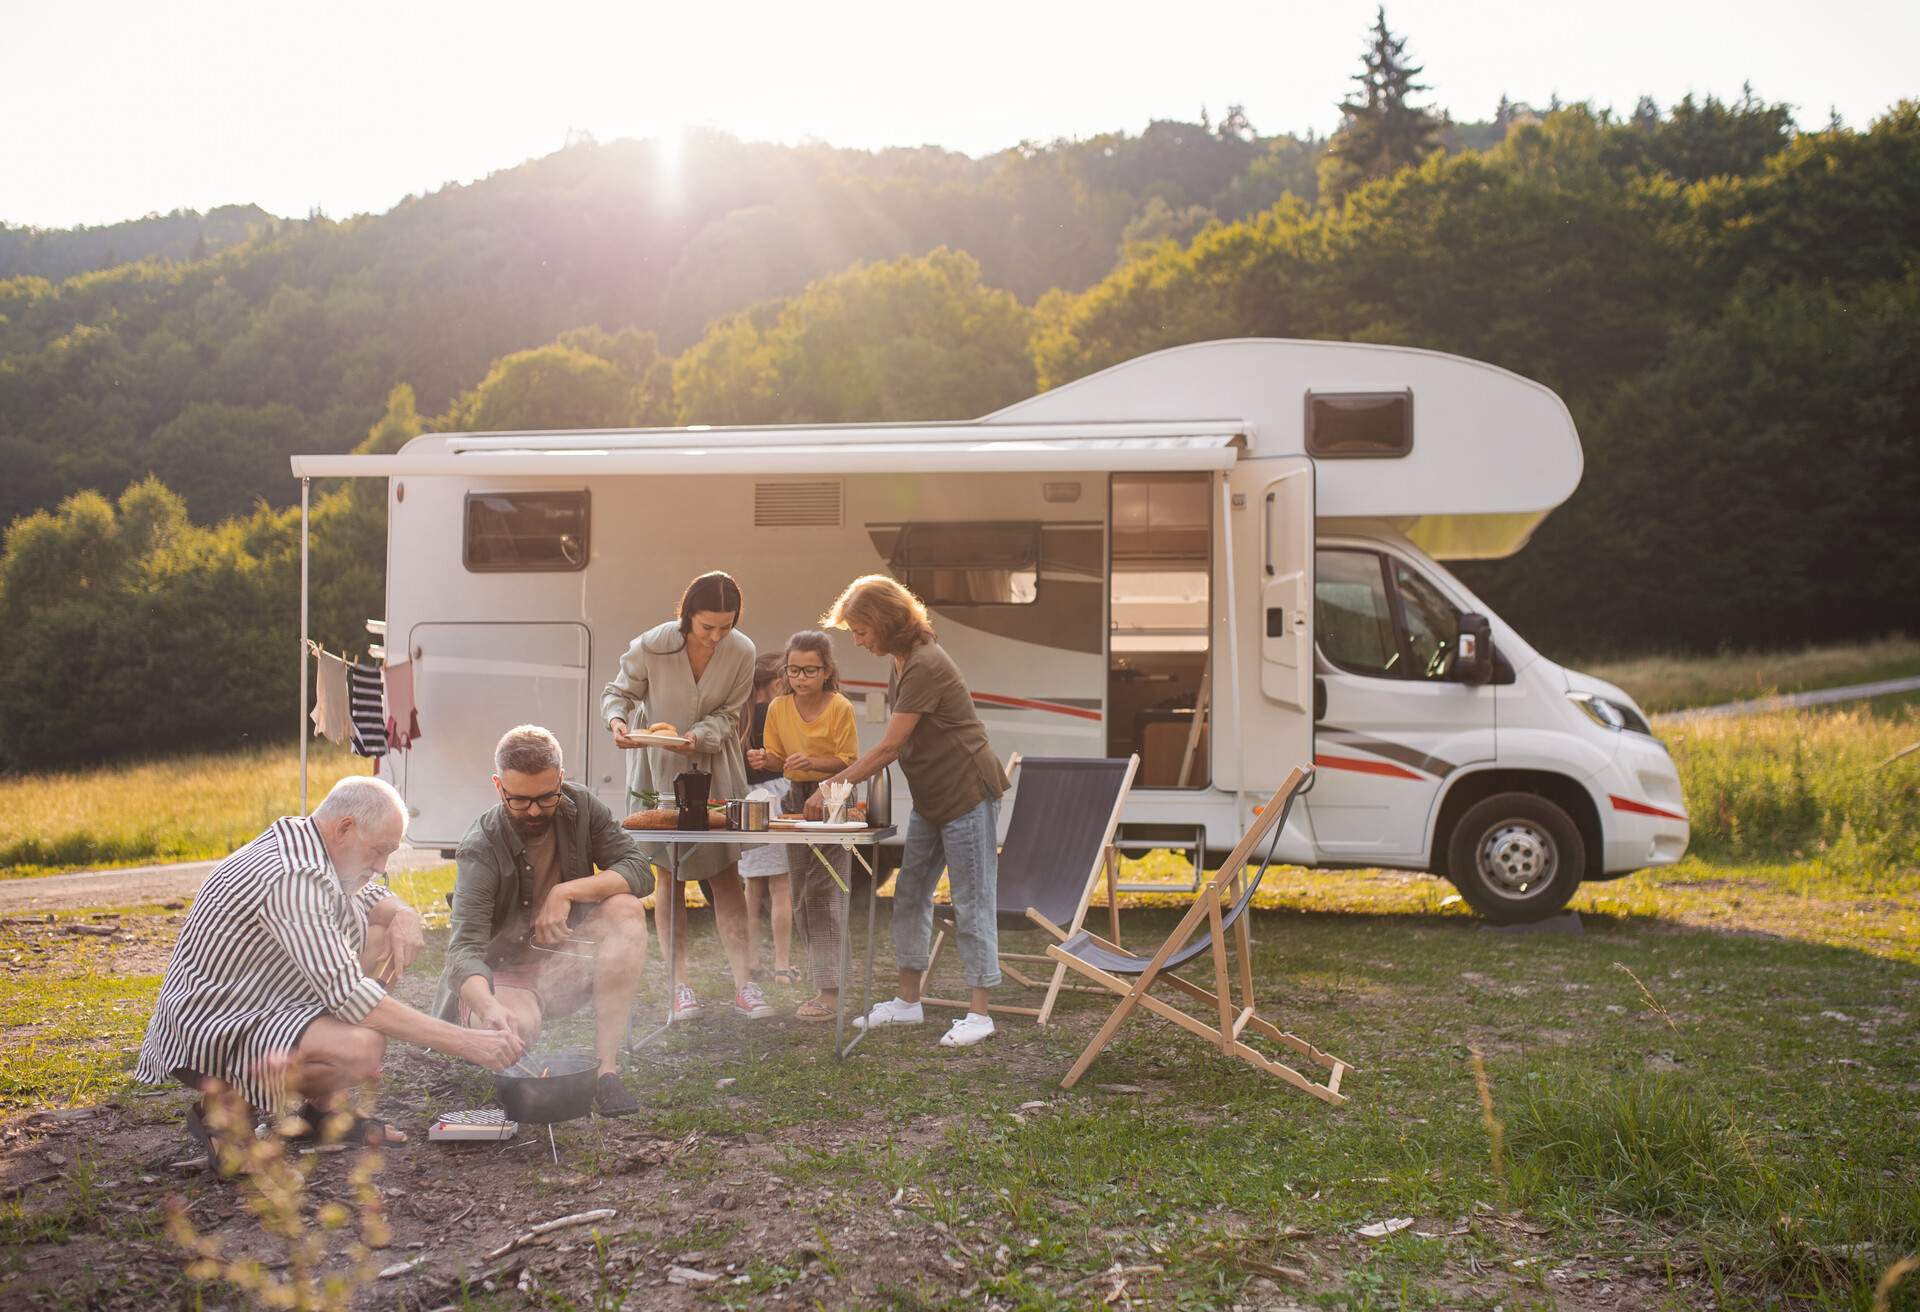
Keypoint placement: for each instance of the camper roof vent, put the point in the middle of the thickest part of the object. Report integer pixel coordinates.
(798, 505)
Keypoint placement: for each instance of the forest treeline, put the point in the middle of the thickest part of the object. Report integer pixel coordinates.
(1729, 304)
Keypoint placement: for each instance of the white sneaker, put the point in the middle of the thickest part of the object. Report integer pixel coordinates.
(894, 1011)
(967, 1031)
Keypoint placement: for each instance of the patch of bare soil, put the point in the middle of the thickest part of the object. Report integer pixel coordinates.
(104, 942)
(691, 1213)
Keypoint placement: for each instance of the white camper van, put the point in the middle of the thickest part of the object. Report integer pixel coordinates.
(1224, 557)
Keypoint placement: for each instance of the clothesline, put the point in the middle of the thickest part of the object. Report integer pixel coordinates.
(367, 705)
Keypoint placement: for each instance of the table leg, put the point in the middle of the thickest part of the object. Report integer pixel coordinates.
(663, 900)
(846, 962)
(866, 995)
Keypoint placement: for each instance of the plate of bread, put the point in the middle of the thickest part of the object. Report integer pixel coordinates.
(662, 735)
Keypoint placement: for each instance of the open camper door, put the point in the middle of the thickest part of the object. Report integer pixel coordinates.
(1286, 589)
(1272, 504)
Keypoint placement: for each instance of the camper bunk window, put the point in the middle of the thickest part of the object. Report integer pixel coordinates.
(1359, 425)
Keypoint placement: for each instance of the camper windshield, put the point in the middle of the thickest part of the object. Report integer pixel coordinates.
(1432, 624)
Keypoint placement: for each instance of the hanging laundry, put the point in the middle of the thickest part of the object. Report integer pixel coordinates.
(330, 707)
(403, 720)
(367, 708)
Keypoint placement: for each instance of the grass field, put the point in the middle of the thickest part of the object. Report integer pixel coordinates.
(1671, 683)
(182, 809)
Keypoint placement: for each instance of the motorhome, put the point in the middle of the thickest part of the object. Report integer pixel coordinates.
(1224, 557)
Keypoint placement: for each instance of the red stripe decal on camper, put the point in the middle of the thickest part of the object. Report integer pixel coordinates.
(999, 699)
(1641, 808)
(1359, 766)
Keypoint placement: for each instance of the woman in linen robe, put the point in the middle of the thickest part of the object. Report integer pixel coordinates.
(695, 673)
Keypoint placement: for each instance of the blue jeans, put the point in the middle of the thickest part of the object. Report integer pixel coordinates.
(965, 849)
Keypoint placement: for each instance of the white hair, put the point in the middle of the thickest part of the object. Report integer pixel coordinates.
(365, 800)
(527, 749)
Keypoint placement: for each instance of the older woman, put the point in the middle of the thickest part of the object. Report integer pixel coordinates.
(695, 673)
(956, 784)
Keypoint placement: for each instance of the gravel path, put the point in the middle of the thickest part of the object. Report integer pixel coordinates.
(135, 884)
(1792, 701)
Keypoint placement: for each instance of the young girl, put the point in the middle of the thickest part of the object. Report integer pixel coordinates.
(810, 735)
(763, 868)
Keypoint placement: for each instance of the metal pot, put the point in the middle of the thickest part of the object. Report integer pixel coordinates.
(565, 1093)
(753, 815)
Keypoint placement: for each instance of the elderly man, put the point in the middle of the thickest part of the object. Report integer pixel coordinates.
(536, 932)
(277, 987)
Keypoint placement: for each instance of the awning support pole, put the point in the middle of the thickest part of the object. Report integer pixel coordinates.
(1233, 650)
(306, 490)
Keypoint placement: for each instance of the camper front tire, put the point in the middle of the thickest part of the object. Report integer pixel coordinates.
(1516, 857)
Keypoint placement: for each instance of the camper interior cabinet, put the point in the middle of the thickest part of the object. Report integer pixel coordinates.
(1160, 572)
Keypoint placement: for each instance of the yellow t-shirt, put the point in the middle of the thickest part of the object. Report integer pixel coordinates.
(832, 733)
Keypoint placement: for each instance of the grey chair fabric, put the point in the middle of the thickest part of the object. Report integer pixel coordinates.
(1082, 945)
(1061, 805)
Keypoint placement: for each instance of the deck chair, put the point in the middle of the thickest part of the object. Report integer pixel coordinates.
(1223, 904)
(1059, 846)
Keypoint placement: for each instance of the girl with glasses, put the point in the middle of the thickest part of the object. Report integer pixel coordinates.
(811, 734)
(763, 866)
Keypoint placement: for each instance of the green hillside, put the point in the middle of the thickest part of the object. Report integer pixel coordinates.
(1729, 305)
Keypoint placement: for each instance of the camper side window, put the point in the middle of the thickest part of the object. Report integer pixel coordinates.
(1359, 425)
(1351, 614)
(525, 532)
(977, 564)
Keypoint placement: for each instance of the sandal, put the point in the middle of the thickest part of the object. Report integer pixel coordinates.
(369, 1131)
(814, 1010)
(791, 975)
(202, 1135)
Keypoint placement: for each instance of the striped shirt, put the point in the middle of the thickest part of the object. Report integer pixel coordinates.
(272, 943)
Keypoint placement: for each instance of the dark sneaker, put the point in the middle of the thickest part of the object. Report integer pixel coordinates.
(611, 1097)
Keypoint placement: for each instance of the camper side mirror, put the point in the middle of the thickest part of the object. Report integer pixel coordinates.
(1319, 699)
(1473, 650)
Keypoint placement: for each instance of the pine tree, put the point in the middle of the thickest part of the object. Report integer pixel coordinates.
(1380, 131)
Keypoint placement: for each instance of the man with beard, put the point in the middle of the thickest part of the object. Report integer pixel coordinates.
(537, 933)
(277, 989)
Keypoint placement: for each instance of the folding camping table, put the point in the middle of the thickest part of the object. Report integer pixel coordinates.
(851, 840)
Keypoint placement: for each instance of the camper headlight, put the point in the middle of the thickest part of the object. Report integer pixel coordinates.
(1610, 714)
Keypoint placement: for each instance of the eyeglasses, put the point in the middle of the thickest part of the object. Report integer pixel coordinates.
(521, 805)
(804, 671)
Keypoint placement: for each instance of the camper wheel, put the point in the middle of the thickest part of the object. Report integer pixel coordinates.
(1516, 857)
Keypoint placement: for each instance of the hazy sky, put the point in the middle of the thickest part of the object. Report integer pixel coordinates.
(113, 110)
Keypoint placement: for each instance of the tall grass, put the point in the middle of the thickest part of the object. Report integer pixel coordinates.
(181, 809)
(1653, 1147)
(1803, 785)
(1670, 683)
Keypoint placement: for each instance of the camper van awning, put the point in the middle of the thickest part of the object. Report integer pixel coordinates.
(967, 448)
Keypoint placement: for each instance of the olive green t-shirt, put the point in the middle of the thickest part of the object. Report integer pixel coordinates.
(950, 767)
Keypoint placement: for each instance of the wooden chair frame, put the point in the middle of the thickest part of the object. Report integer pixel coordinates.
(1106, 866)
(1234, 1018)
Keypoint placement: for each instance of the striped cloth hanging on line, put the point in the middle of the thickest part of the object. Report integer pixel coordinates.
(367, 700)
